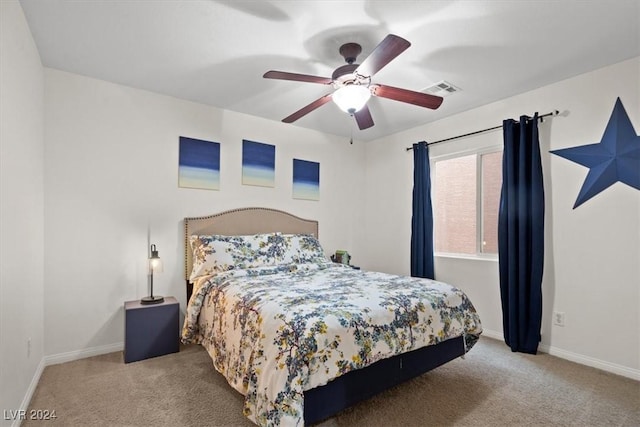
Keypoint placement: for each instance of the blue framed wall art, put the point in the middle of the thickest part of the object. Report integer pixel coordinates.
(258, 163)
(306, 180)
(199, 164)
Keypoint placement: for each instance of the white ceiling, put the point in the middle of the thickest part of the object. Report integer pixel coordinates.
(215, 51)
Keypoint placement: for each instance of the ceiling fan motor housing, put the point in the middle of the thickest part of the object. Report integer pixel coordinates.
(344, 74)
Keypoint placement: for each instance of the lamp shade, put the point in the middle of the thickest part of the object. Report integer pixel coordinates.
(351, 98)
(155, 265)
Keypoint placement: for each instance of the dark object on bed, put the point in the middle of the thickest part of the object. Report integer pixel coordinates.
(325, 401)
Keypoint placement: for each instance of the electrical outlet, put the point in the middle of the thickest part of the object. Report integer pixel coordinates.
(28, 347)
(558, 318)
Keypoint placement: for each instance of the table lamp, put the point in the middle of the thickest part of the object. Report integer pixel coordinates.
(155, 265)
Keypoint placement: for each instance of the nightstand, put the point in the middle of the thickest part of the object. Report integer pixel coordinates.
(151, 330)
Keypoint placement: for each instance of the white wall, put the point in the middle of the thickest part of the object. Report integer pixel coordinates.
(111, 173)
(592, 273)
(21, 210)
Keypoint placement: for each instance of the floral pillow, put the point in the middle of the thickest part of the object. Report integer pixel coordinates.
(216, 253)
(301, 248)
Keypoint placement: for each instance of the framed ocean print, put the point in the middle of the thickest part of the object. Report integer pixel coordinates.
(199, 164)
(306, 180)
(258, 163)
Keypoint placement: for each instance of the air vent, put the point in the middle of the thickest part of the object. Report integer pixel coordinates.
(442, 88)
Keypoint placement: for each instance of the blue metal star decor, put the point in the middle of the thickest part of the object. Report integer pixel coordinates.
(615, 158)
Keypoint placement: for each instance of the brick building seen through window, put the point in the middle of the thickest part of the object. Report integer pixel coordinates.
(466, 193)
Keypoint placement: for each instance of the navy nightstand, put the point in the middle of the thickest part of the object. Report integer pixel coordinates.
(151, 330)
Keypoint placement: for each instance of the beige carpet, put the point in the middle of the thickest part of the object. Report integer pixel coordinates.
(490, 387)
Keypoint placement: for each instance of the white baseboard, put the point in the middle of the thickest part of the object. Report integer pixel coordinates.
(70, 356)
(29, 394)
(614, 368)
(492, 334)
(624, 371)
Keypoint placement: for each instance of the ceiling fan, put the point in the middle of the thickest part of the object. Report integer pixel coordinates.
(353, 86)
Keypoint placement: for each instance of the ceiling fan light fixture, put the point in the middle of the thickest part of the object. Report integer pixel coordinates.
(351, 98)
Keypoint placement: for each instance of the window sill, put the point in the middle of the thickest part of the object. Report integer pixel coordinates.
(492, 258)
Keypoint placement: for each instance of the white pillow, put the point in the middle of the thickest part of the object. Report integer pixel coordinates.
(214, 254)
(301, 248)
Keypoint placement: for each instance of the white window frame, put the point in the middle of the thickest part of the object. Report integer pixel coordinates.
(479, 255)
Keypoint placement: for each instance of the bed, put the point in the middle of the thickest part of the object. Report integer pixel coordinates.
(303, 338)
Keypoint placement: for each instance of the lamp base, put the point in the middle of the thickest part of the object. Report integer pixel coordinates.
(152, 300)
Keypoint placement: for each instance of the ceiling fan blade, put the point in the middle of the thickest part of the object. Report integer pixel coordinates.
(282, 75)
(403, 95)
(307, 109)
(384, 53)
(363, 118)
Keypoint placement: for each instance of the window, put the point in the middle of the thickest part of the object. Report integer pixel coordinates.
(466, 194)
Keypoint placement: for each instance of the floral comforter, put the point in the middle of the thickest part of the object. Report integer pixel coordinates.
(277, 331)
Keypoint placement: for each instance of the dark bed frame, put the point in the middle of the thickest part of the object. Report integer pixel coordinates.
(325, 401)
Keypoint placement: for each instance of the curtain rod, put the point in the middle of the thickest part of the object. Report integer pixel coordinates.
(541, 118)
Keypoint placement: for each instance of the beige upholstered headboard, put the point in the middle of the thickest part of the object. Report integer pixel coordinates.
(241, 222)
